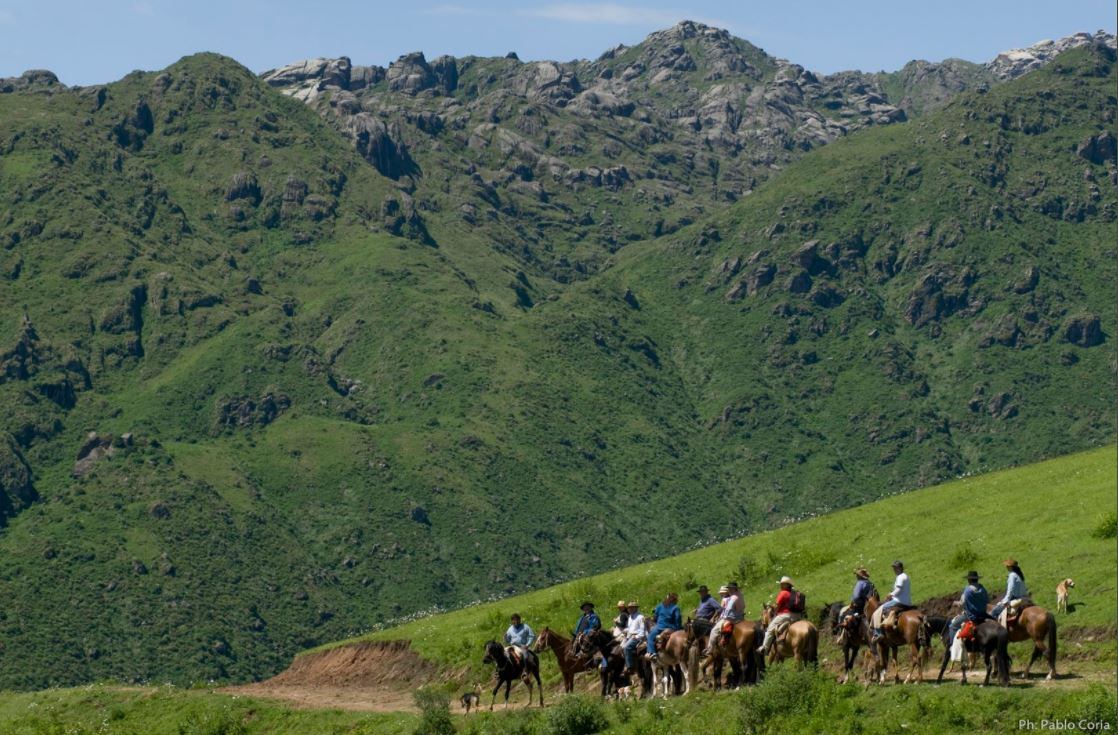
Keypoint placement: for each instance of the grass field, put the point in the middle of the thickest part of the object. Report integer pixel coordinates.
(1044, 514)
(1056, 517)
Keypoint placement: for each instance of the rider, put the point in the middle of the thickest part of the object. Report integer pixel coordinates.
(633, 634)
(519, 637)
(900, 596)
(974, 601)
(621, 622)
(588, 623)
(863, 588)
(1014, 588)
(708, 608)
(665, 617)
(733, 612)
(785, 615)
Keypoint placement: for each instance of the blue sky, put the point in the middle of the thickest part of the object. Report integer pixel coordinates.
(90, 42)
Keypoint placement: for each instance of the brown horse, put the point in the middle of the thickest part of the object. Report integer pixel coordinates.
(1039, 626)
(800, 641)
(739, 648)
(509, 670)
(570, 663)
(851, 632)
(672, 663)
(592, 647)
(911, 629)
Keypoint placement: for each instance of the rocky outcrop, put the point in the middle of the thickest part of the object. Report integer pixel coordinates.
(1084, 330)
(16, 488)
(33, 80)
(1098, 148)
(242, 412)
(1016, 62)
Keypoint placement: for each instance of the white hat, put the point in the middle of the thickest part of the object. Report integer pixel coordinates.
(785, 580)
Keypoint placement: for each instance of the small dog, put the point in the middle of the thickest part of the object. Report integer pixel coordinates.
(1062, 591)
(624, 692)
(472, 700)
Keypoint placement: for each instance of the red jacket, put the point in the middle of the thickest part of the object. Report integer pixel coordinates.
(783, 602)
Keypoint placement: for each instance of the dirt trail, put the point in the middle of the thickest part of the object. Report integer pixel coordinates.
(381, 677)
(377, 676)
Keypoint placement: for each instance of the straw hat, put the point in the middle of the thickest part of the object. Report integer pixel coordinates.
(633, 603)
(786, 580)
(621, 604)
(723, 590)
(1010, 562)
(861, 572)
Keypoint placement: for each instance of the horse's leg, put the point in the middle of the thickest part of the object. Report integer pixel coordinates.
(963, 664)
(495, 690)
(539, 684)
(508, 688)
(986, 653)
(1038, 652)
(943, 666)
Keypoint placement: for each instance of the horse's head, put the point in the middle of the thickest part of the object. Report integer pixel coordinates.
(544, 640)
(767, 614)
(493, 653)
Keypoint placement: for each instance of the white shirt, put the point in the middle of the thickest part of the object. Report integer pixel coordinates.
(902, 589)
(636, 626)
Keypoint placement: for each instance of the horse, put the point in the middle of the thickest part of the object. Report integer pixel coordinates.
(851, 632)
(569, 661)
(509, 670)
(587, 645)
(911, 628)
(1038, 625)
(800, 640)
(672, 663)
(989, 638)
(739, 648)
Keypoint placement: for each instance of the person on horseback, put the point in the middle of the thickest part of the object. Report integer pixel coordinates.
(1014, 589)
(974, 601)
(666, 616)
(863, 588)
(621, 622)
(901, 596)
(588, 622)
(732, 613)
(708, 608)
(634, 634)
(519, 637)
(786, 613)
(587, 625)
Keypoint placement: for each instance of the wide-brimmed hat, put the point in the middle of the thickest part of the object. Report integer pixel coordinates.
(585, 605)
(1010, 562)
(723, 590)
(861, 572)
(621, 603)
(786, 580)
(732, 585)
(633, 603)
(973, 575)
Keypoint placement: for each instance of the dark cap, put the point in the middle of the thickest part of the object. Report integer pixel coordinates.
(586, 604)
(972, 576)
(898, 563)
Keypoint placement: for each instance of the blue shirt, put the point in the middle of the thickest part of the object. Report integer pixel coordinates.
(975, 600)
(862, 590)
(519, 635)
(708, 609)
(667, 616)
(588, 622)
(1014, 588)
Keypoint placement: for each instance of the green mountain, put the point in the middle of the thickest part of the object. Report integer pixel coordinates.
(276, 374)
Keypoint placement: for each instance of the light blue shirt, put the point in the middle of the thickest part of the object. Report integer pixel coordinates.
(1014, 588)
(520, 635)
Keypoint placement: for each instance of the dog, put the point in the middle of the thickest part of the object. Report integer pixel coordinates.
(624, 692)
(472, 700)
(1062, 591)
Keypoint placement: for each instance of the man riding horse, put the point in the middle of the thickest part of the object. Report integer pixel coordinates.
(587, 624)
(733, 612)
(634, 634)
(666, 617)
(789, 607)
(898, 599)
(709, 608)
(974, 601)
(518, 638)
(863, 588)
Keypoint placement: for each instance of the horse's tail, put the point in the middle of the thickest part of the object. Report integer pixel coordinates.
(1003, 658)
(1052, 644)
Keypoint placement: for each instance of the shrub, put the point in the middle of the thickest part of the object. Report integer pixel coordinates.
(577, 715)
(434, 708)
(787, 691)
(964, 558)
(1106, 526)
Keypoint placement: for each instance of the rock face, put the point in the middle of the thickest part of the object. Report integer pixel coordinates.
(1015, 62)
(1084, 331)
(16, 488)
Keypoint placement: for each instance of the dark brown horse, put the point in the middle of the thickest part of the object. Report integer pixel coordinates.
(510, 670)
(851, 632)
(739, 648)
(989, 639)
(599, 642)
(1039, 626)
(800, 640)
(570, 663)
(910, 629)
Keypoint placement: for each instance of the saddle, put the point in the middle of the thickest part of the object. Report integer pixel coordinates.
(894, 613)
(1013, 611)
(513, 652)
(726, 631)
(782, 627)
(662, 639)
(966, 632)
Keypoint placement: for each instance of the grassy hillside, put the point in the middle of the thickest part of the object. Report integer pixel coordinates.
(1044, 515)
(346, 402)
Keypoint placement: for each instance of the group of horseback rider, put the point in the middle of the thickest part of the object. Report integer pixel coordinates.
(630, 626)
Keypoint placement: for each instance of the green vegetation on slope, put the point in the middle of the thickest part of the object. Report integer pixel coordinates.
(1041, 514)
(334, 426)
